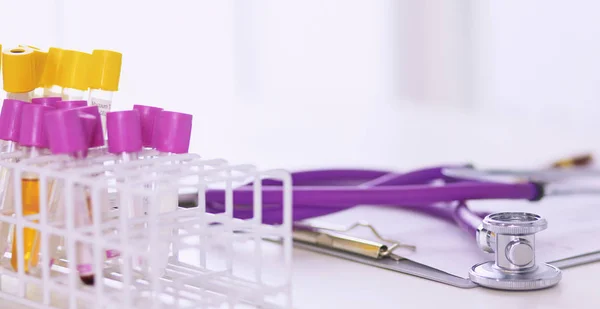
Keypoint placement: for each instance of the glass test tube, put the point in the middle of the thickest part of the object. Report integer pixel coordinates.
(105, 73)
(32, 139)
(50, 78)
(171, 135)
(70, 104)
(19, 74)
(40, 57)
(10, 124)
(147, 116)
(46, 101)
(69, 136)
(74, 75)
(125, 142)
(95, 141)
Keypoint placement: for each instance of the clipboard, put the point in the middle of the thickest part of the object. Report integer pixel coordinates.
(333, 243)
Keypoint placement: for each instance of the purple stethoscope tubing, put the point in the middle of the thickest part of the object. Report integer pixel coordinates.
(332, 196)
(312, 188)
(322, 192)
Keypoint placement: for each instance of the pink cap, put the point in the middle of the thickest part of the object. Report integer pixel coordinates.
(10, 119)
(70, 104)
(97, 138)
(89, 126)
(147, 116)
(47, 101)
(66, 131)
(33, 131)
(172, 132)
(124, 131)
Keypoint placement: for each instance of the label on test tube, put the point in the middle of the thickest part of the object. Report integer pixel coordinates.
(103, 105)
(103, 108)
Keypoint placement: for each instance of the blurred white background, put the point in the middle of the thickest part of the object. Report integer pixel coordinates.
(373, 83)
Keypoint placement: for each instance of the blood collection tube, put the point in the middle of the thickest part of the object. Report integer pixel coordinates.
(74, 74)
(19, 74)
(46, 101)
(68, 129)
(105, 72)
(50, 79)
(33, 141)
(10, 124)
(70, 104)
(96, 140)
(125, 142)
(147, 116)
(40, 57)
(10, 121)
(171, 135)
(124, 134)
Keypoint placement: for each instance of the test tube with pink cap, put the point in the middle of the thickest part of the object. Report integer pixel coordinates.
(62, 104)
(34, 143)
(96, 137)
(147, 116)
(46, 101)
(69, 135)
(124, 142)
(171, 135)
(10, 126)
(10, 120)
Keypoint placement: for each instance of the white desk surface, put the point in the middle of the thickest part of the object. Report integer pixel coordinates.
(326, 282)
(396, 137)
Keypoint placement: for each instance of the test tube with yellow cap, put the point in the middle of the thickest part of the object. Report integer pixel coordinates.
(18, 73)
(105, 73)
(50, 79)
(74, 74)
(40, 57)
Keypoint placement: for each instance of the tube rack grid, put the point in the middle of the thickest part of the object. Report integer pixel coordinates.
(179, 258)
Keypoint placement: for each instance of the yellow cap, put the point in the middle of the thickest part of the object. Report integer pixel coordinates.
(51, 72)
(40, 61)
(18, 70)
(74, 72)
(106, 70)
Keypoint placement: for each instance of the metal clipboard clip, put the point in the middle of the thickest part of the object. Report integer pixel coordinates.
(333, 238)
(331, 241)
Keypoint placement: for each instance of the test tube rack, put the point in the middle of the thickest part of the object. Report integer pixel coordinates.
(189, 258)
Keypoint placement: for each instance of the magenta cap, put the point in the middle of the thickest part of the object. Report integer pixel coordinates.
(70, 104)
(97, 138)
(172, 132)
(47, 101)
(89, 126)
(10, 119)
(124, 131)
(147, 116)
(66, 131)
(33, 131)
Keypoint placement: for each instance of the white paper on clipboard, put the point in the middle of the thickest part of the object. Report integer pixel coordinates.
(573, 222)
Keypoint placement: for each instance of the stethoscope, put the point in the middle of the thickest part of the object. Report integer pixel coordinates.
(511, 236)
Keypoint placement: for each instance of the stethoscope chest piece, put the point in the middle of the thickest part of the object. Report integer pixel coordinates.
(511, 236)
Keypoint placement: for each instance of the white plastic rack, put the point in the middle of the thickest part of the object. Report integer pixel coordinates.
(163, 256)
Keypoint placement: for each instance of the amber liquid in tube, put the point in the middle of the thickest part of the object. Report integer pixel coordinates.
(31, 206)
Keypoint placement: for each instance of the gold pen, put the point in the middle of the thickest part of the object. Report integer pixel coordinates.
(340, 242)
(329, 238)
